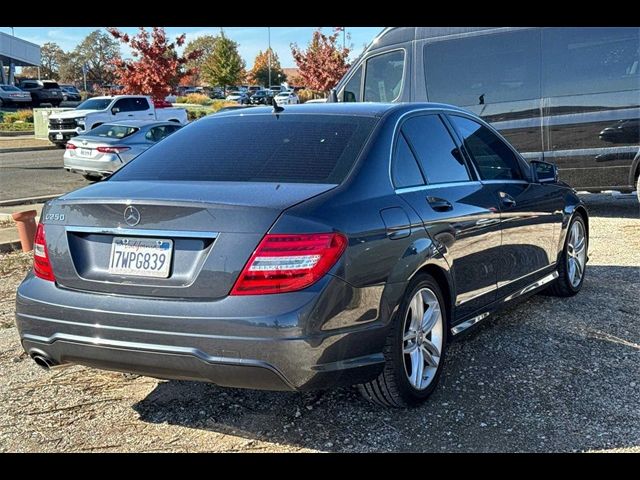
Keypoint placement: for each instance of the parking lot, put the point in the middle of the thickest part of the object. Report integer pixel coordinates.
(550, 374)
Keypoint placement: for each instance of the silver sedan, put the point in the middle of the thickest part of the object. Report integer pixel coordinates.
(10, 95)
(101, 151)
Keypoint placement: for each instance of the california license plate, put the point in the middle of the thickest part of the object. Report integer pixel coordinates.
(58, 136)
(142, 257)
(85, 152)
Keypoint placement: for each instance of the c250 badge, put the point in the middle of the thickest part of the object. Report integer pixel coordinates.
(56, 217)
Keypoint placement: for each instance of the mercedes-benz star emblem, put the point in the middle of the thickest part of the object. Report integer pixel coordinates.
(131, 216)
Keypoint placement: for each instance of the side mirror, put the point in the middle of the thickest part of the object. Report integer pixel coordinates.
(543, 172)
(333, 96)
(115, 110)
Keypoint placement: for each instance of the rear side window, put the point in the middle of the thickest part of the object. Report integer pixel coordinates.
(404, 169)
(439, 157)
(590, 60)
(351, 91)
(50, 85)
(112, 131)
(494, 159)
(295, 148)
(383, 77)
(484, 69)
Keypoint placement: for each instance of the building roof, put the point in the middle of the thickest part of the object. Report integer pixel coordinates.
(18, 51)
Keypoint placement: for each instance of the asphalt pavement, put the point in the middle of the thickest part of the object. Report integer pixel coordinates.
(35, 173)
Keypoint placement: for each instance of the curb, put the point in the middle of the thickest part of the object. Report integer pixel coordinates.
(30, 133)
(28, 149)
(29, 200)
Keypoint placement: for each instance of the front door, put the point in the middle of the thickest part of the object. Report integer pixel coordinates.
(529, 212)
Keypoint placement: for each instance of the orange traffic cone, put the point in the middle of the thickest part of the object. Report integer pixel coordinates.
(26, 223)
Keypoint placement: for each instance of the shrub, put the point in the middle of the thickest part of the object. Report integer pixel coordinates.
(19, 116)
(195, 114)
(16, 127)
(305, 95)
(198, 99)
(181, 100)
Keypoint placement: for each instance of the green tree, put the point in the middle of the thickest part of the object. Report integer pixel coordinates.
(259, 74)
(50, 57)
(99, 51)
(205, 46)
(70, 68)
(224, 66)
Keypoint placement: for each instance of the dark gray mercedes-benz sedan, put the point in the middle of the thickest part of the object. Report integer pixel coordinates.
(336, 245)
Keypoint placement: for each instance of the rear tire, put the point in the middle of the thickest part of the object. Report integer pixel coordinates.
(61, 145)
(567, 285)
(400, 385)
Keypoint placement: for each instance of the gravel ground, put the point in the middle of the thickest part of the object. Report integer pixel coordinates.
(546, 375)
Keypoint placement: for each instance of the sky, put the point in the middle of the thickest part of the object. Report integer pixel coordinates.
(250, 39)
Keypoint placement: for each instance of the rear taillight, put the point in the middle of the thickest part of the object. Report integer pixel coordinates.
(285, 263)
(71, 146)
(112, 149)
(41, 264)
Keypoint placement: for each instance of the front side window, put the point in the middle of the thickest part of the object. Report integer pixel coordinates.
(494, 159)
(352, 89)
(123, 105)
(438, 155)
(484, 69)
(383, 77)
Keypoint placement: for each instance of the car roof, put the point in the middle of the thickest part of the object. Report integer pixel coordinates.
(141, 123)
(357, 109)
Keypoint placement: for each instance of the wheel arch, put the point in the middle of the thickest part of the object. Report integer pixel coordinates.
(445, 282)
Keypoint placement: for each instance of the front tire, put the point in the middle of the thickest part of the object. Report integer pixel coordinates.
(573, 261)
(415, 348)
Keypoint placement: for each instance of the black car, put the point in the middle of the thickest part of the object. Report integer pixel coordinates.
(344, 244)
(70, 93)
(42, 92)
(262, 97)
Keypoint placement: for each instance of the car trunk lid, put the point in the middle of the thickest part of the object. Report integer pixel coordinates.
(212, 229)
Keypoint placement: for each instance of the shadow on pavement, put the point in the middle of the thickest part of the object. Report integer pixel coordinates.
(550, 374)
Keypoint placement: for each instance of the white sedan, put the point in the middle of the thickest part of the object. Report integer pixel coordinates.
(287, 98)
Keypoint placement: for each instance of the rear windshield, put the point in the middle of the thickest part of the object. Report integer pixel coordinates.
(292, 148)
(9, 88)
(112, 131)
(50, 85)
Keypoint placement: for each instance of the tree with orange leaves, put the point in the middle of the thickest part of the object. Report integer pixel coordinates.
(323, 63)
(157, 68)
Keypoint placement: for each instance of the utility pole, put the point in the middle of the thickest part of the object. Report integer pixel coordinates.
(269, 56)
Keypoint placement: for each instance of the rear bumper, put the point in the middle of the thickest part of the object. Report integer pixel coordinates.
(328, 335)
(106, 165)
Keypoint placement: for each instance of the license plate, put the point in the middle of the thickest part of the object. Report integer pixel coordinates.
(58, 136)
(85, 152)
(142, 257)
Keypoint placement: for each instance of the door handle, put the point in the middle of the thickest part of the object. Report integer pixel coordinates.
(130, 115)
(439, 204)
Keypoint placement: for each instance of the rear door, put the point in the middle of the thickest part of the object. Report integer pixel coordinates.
(530, 213)
(460, 214)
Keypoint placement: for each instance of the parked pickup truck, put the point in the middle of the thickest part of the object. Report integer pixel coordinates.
(98, 110)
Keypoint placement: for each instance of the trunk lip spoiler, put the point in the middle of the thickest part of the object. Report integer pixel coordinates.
(142, 232)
